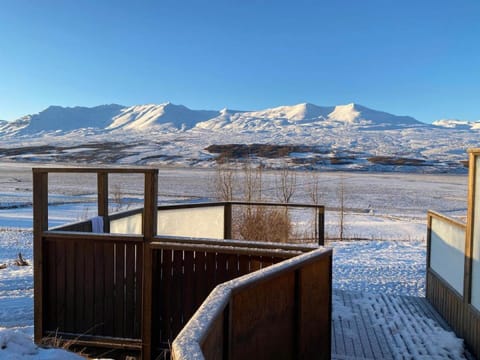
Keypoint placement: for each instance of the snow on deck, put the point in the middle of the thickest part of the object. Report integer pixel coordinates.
(380, 326)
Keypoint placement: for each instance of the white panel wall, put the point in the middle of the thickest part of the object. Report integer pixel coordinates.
(447, 256)
(202, 222)
(476, 240)
(128, 225)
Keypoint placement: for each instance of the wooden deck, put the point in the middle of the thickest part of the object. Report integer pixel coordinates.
(379, 326)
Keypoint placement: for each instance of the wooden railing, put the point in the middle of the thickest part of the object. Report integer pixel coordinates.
(281, 312)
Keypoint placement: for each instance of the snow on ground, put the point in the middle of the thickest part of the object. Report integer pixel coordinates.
(387, 267)
(16, 344)
(379, 207)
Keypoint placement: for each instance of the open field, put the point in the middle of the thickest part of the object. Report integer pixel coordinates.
(377, 207)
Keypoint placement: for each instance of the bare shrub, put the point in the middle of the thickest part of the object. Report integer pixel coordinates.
(286, 184)
(224, 183)
(117, 197)
(341, 208)
(315, 194)
(265, 224)
(252, 182)
(56, 341)
(258, 223)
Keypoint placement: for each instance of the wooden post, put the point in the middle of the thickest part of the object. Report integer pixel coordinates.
(227, 221)
(470, 229)
(102, 194)
(429, 249)
(321, 225)
(149, 232)
(40, 224)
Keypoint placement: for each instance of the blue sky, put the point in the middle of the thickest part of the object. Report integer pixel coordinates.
(419, 58)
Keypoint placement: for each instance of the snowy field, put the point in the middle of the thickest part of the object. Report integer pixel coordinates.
(386, 211)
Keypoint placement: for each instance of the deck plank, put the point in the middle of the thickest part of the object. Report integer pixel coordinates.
(380, 326)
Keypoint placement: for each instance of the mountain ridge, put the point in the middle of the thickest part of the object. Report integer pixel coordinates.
(179, 117)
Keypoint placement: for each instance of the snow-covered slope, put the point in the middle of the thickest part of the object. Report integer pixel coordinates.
(360, 115)
(307, 115)
(57, 118)
(457, 124)
(144, 117)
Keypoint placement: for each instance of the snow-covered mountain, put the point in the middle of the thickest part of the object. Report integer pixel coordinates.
(179, 117)
(347, 136)
(457, 124)
(308, 115)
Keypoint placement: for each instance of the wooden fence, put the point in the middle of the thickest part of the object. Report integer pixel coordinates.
(281, 312)
(132, 294)
(453, 254)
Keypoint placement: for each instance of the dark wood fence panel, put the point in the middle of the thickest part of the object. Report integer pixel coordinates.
(92, 288)
(281, 313)
(263, 319)
(315, 304)
(461, 316)
(183, 279)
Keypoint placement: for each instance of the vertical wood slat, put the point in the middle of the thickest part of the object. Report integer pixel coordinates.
(177, 282)
(109, 276)
(119, 292)
(165, 287)
(189, 303)
(50, 286)
(130, 291)
(200, 276)
(157, 300)
(40, 224)
(99, 290)
(79, 284)
(210, 270)
(61, 286)
(138, 291)
(89, 287)
(221, 272)
(69, 287)
(244, 264)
